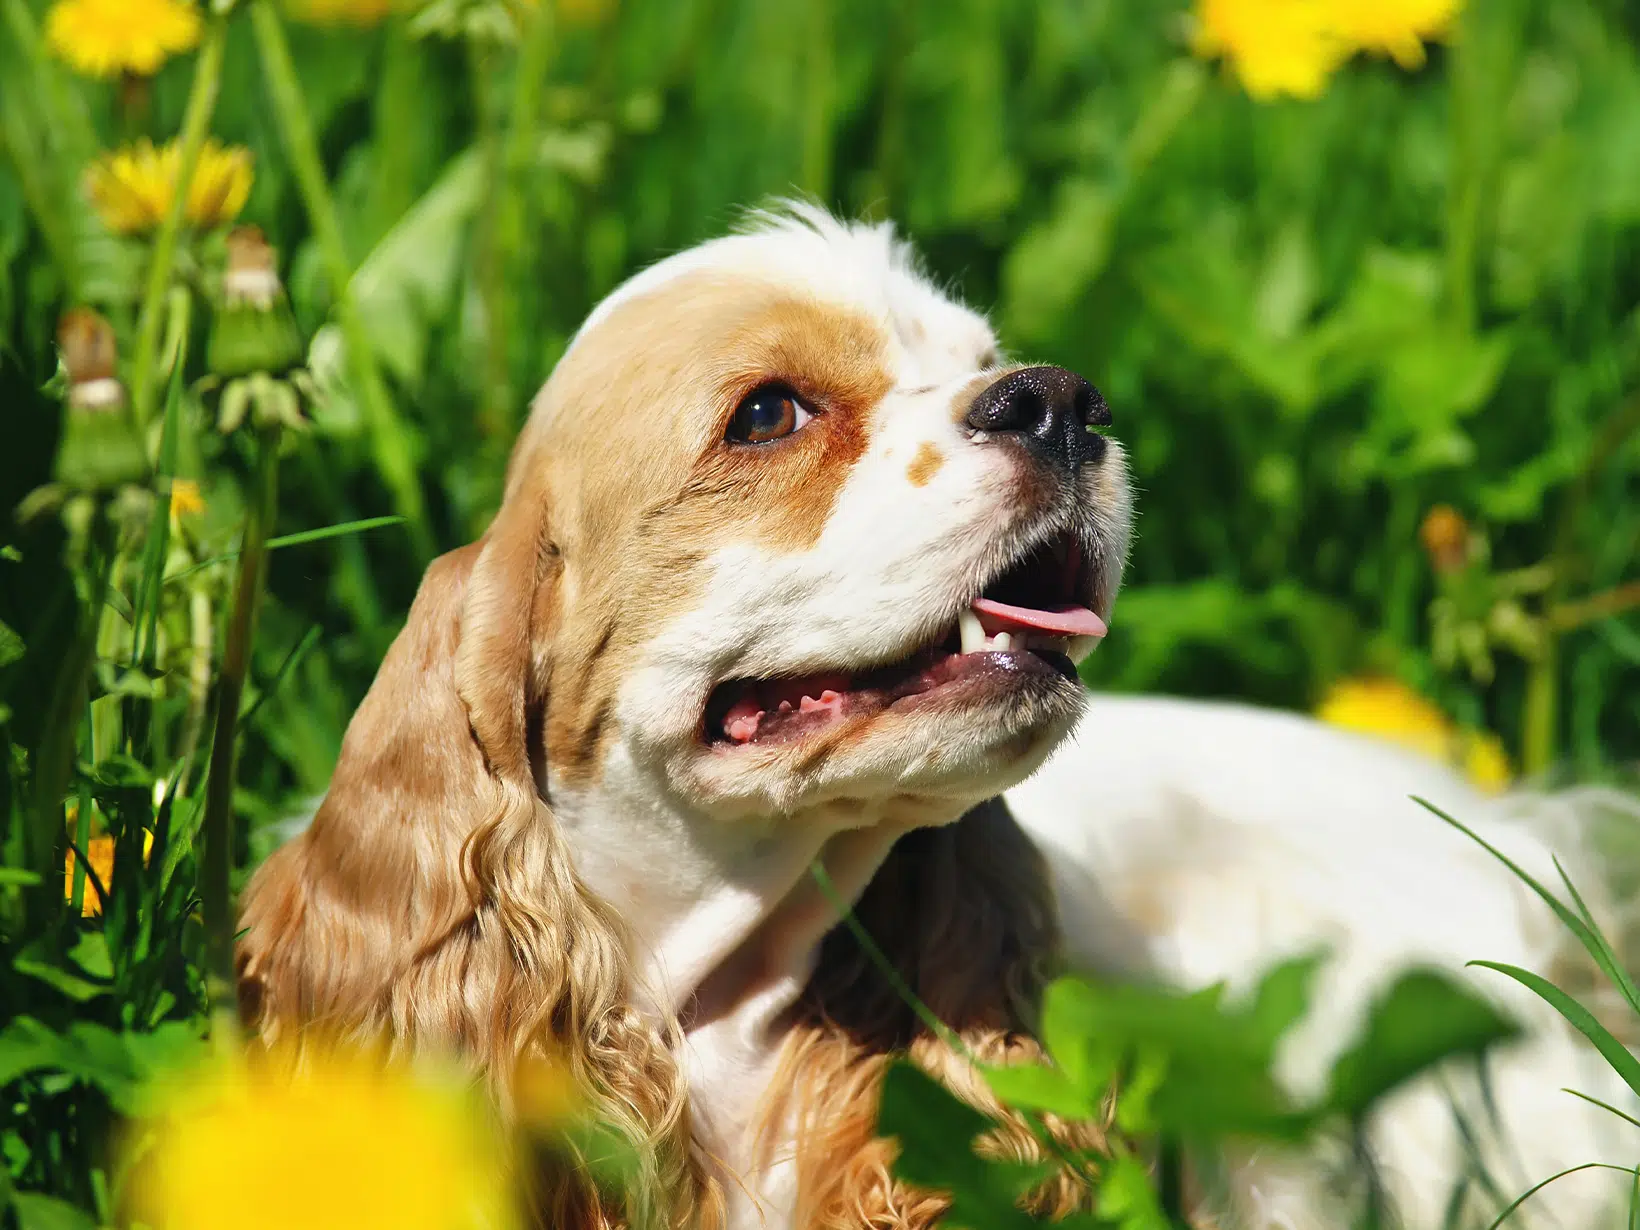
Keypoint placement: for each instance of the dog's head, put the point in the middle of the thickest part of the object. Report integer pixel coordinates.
(813, 538)
(785, 548)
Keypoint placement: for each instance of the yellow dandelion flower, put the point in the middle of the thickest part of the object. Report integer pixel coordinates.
(132, 188)
(103, 38)
(1388, 709)
(337, 1142)
(99, 857)
(1396, 28)
(1275, 46)
(341, 12)
(186, 500)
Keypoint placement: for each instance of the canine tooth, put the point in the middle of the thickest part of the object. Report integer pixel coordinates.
(828, 696)
(1002, 642)
(973, 636)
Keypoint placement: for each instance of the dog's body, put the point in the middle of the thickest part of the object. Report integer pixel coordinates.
(789, 569)
(1205, 842)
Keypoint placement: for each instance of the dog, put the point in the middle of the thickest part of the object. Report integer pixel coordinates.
(792, 567)
(1203, 842)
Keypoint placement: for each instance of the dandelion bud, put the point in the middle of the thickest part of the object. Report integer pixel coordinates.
(1445, 536)
(254, 330)
(100, 449)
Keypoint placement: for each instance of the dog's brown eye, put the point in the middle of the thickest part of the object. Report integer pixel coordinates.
(767, 413)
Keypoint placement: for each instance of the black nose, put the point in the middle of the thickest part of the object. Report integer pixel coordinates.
(1050, 410)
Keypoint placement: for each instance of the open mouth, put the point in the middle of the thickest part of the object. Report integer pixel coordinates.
(1021, 628)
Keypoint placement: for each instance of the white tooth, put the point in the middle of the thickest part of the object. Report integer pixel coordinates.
(973, 636)
(1080, 647)
(1002, 642)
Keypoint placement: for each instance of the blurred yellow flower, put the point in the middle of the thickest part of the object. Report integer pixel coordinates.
(1397, 28)
(1293, 46)
(1485, 762)
(341, 12)
(1388, 709)
(337, 1142)
(185, 498)
(103, 38)
(584, 12)
(132, 188)
(1276, 46)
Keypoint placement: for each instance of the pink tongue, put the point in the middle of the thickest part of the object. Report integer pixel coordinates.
(1066, 621)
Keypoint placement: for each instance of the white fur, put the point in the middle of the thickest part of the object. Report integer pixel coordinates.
(1208, 841)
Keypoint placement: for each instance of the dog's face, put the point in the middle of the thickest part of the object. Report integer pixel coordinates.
(814, 541)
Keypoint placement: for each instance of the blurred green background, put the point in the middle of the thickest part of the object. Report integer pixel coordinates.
(1315, 320)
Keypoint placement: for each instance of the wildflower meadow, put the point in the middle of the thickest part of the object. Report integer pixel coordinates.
(1360, 280)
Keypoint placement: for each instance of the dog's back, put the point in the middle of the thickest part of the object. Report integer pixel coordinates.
(1208, 841)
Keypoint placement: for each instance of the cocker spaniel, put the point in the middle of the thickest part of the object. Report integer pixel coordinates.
(792, 565)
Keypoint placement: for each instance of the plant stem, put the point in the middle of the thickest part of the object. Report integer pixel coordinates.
(196, 122)
(59, 736)
(495, 400)
(1604, 605)
(218, 827)
(1538, 733)
(394, 456)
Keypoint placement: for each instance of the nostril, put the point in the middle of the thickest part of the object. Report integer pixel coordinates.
(1090, 407)
(1027, 410)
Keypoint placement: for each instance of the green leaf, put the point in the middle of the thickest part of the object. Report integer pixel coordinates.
(1127, 1197)
(37, 1212)
(38, 961)
(1422, 1020)
(936, 1130)
(11, 645)
(87, 1052)
(1283, 997)
(1030, 1086)
(1616, 1054)
(403, 286)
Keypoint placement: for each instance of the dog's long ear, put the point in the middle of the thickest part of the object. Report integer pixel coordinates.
(433, 902)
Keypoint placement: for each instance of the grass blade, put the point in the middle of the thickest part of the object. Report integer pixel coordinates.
(332, 531)
(1591, 939)
(1617, 1055)
(1604, 1106)
(293, 659)
(151, 580)
(1618, 974)
(297, 539)
(1537, 1187)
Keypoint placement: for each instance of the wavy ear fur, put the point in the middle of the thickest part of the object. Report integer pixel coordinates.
(965, 914)
(433, 902)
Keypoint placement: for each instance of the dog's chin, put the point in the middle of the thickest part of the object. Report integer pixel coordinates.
(966, 732)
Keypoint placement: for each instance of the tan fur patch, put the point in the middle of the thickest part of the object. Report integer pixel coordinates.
(924, 465)
(628, 446)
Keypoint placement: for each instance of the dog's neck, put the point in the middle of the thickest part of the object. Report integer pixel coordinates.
(726, 923)
(722, 917)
